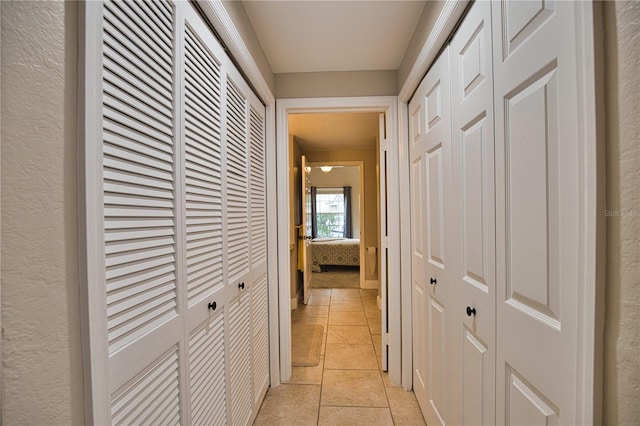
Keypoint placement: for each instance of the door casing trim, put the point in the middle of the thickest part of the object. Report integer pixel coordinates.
(387, 105)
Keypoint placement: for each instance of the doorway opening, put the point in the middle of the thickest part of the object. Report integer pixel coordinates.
(377, 232)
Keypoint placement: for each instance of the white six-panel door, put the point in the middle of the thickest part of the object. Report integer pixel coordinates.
(430, 154)
(538, 216)
(472, 257)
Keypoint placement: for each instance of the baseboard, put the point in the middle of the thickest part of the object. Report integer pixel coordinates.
(371, 284)
(294, 303)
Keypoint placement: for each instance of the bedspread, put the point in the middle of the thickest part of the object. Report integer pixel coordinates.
(335, 251)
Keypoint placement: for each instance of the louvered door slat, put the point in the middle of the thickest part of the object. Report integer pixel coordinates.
(202, 72)
(117, 48)
(202, 60)
(132, 212)
(137, 121)
(199, 141)
(202, 168)
(114, 75)
(134, 39)
(206, 369)
(162, 8)
(153, 172)
(149, 25)
(201, 104)
(119, 147)
(121, 111)
(120, 73)
(128, 200)
(137, 139)
(240, 347)
(155, 19)
(131, 245)
(145, 107)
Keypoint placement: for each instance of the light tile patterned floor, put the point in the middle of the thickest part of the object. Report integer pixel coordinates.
(347, 387)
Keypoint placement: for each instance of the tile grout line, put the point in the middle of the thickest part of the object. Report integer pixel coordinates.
(338, 297)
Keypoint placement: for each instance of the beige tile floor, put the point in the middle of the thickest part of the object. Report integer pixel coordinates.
(347, 387)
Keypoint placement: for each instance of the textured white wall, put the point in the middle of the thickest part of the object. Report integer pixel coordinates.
(239, 17)
(41, 353)
(427, 20)
(336, 83)
(622, 321)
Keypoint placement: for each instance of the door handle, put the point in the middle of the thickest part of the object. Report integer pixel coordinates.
(432, 281)
(212, 306)
(241, 286)
(471, 311)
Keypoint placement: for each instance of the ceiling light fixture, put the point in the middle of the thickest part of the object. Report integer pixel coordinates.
(326, 169)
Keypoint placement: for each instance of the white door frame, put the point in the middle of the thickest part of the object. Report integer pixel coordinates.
(388, 105)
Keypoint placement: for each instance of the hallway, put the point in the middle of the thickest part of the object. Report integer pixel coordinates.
(347, 386)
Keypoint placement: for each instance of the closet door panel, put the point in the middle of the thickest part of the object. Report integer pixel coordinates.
(258, 187)
(259, 339)
(437, 371)
(472, 259)
(258, 254)
(139, 187)
(237, 184)
(418, 252)
(538, 148)
(207, 363)
(475, 398)
(139, 157)
(240, 359)
(152, 396)
(202, 164)
(207, 297)
(430, 177)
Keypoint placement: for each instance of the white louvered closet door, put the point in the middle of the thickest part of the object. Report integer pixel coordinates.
(141, 245)
(208, 318)
(246, 247)
(258, 244)
(178, 252)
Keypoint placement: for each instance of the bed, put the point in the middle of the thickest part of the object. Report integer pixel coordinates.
(334, 251)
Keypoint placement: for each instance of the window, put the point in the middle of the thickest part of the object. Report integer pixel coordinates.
(331, 211)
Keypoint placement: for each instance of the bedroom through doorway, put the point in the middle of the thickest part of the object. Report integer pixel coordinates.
(336, 214)
(334, 218)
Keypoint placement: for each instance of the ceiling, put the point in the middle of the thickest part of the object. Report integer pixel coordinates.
(300, 36)
(308, 36)
(334, 131)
